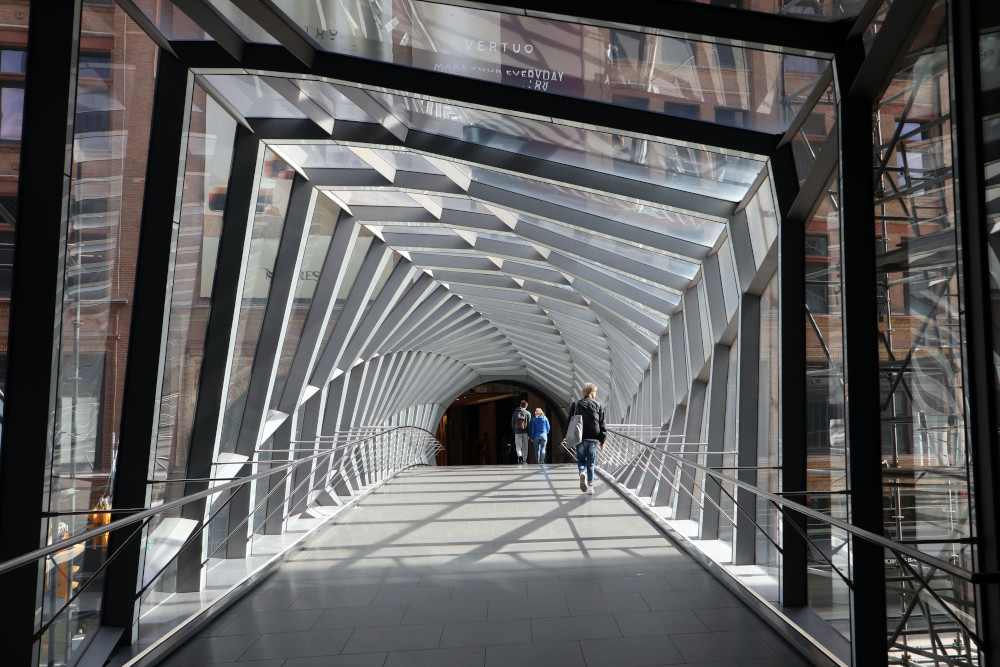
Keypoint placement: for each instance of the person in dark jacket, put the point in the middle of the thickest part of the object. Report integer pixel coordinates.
(520, 421)
(594, 434)
(539, 434)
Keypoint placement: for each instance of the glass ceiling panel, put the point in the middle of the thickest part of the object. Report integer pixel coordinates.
(679, 225)
(672, 264)
(407, 161)
(729, 85)
(250, 29)
(323, 156)
(332, 101)
(818, 10)
(252, 97)
(171, 21)
(377, 198)
(675, 166)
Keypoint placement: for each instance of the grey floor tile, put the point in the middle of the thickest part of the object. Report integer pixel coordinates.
(664, 600)
(500, 592)
(732, 618)
(473, 656)
(297, 644)
(535, 608)
(574, 627)
(381, 615)
(398, 638)
(548, 654)
(615, 603)
(251, 622)
(356, 660)
(486, 633)
(630, 652)
(206, 650)
(659, 623)
(783, 661)
(411, 594)
(638, 584)
(729, 645)
(683, 581)
(599, 572)
(320, 597)
(562, 588)
(279, 662)
(422, 613)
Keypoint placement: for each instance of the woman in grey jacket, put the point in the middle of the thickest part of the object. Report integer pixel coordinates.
(594, 434)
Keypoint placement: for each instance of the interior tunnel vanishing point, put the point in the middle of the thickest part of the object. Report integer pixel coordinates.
(254, 250)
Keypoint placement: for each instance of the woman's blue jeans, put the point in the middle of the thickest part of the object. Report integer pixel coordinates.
(586, 452)
(540, 442)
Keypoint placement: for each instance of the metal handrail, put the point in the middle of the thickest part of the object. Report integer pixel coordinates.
(971, 577)
(141, 515)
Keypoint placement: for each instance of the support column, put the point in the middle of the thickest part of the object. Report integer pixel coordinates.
(967, 19)
(861, 368)
(744, 539)
(36, 310)
(792, 325)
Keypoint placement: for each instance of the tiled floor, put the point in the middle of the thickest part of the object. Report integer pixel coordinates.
(493, 566)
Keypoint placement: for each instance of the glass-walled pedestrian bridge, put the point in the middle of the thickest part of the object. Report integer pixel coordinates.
(279, 239)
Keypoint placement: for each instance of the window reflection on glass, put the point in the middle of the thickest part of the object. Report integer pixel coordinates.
(926, 498)
(268, 223)
(211, 137)
(685, 168)
(826, 453)
(768, 429)
(321, 229)
(618, 66)
(105, 210)
(350, 273)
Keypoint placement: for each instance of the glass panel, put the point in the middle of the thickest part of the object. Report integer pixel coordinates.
(169, 20)
(108, 170)
(247, 27)
(763, 220)
(721, 83)
(211, 137)
(252, 97)
(809, 139)
(321, 230)
(13, 42)
(675, 166)
(826, 453)
(350, 273)
(332, 101)
(926, 494)
(680, 225)
(920, 303)
(323, 156)
(817, 10)
(768, 430)
(268, 223)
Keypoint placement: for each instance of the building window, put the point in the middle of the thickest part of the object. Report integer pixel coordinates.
(95, 66)
(11, 112)
(13, 61)
(732, 117)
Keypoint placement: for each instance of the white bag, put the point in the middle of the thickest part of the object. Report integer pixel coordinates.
(574, 432)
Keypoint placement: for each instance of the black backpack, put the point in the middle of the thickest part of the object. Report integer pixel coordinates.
(521, 420)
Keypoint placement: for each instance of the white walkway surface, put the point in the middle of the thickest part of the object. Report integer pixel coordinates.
(498, 566)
